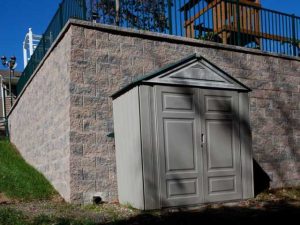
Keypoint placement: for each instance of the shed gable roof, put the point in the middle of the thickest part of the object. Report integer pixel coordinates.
(194, 71)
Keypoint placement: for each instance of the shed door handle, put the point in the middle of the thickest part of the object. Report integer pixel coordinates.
(202, 138)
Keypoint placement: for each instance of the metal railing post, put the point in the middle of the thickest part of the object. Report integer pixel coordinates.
(61, 16)
(6, 127)
(238, 22)
(7, 133)
(84, 8)
(11, 100)
(91, 10)
(44, 45)
(4, 102)
(117, 8)
(2, 96)
(294, 35)
(170, 16)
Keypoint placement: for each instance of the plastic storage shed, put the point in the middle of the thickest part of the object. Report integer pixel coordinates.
(183, 138)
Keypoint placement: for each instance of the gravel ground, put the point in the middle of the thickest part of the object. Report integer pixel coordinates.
(282, 205)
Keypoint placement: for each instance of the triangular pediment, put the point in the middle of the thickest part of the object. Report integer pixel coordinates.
(194, 71)
(200, 73)
(197, 72)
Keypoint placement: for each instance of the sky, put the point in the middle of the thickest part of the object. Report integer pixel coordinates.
(17, 16)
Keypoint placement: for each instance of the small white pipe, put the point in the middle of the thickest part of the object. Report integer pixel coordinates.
(25, 55)
(2, 97)
(30, 42)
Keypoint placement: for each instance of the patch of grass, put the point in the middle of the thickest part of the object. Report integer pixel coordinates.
(18, 180)
(42, 220)
(112, 212)
(46, 220)
(12, 217)
(277, 208)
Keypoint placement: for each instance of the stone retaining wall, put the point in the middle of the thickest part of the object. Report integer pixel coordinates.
(40, 123)
(102, 59)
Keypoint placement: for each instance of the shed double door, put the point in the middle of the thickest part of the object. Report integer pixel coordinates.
(198, 145)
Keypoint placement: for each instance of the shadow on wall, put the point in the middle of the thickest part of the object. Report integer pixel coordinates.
(261, 179)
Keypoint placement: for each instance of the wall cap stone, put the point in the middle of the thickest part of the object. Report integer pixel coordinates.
(174, 38)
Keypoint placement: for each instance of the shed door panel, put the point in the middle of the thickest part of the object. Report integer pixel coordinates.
(176, 140)
(221, 147)
(178, 146)
(198, 145)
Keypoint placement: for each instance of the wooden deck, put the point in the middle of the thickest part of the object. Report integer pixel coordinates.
(225, 22)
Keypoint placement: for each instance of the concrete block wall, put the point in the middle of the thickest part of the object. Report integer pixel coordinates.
(40, 123)
(93, 167)
(102, 59)
(112, 58)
